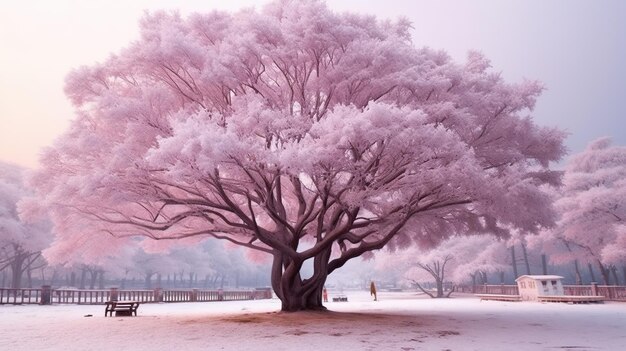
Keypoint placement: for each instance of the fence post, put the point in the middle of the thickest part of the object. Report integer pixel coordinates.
(594, 288)
(114, 294)
(158, 295)
(220, 295)
(46, 295)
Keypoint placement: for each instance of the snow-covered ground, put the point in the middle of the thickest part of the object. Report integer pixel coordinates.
(399, 321)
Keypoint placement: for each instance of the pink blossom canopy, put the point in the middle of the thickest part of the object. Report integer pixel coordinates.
(294, 124)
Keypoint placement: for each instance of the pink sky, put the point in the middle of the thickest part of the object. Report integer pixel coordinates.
(575, 47)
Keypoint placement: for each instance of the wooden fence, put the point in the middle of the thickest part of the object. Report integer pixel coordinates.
(610, 292)
(20, 296)
(489, 289)
(46, 295)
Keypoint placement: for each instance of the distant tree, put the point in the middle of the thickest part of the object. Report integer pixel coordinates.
(20, 243)
(433, 264)
(481, 255)
(592, 208)
(452, 261)
(149, 265)
(305, 134)
(225, 262)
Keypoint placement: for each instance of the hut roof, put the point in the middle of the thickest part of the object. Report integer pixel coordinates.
(540, 277)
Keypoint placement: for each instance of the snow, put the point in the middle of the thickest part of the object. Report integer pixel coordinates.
(398, 321)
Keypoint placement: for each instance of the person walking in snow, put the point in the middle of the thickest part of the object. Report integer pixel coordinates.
(325, 294)
(373, 290)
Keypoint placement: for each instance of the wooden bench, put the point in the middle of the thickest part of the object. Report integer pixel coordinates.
(499, 297)
(121, 308)
(340, 298)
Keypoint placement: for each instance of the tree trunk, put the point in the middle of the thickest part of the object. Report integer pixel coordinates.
(544, 264)
(525, 254)
(513, 262)
(73, 279)
(293, 300)
(614, 274)
(43, 276)
(55, 277)
(593, 276)
(605, 273)
(83, 277)
(483, 277)
(29, 278)
(17, 270)
(295, 293)
(579, 279)
(16, 279)
(439, 287)
(101, 279)
(93, 277)
(148, 281)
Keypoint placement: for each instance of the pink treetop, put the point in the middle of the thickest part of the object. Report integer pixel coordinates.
(16, 234)
(592, 207)
(294, 124)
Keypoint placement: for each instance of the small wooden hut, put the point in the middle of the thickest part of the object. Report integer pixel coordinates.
(530, 287)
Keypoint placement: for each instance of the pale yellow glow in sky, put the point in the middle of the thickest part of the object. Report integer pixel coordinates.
(41, 41)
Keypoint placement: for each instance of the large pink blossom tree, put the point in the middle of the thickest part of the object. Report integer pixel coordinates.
(592, 209)
(298, 132)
